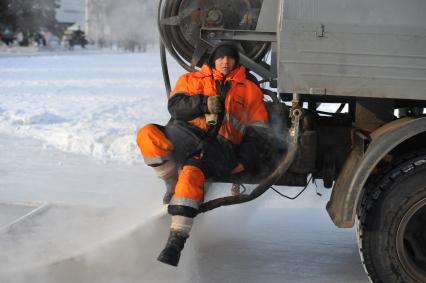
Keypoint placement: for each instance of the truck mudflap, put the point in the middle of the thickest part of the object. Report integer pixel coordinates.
(366, 154)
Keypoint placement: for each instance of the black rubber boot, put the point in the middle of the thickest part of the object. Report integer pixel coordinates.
(171, 253)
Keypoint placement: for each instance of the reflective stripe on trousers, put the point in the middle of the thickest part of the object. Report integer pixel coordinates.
(154, 145)
(189, 188)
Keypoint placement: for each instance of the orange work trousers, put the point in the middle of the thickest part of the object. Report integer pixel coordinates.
(199, 156)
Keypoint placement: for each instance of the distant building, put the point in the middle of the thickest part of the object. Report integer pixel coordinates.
(128, 24)
(72, 12)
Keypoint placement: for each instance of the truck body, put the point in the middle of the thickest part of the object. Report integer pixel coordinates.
(352, 48)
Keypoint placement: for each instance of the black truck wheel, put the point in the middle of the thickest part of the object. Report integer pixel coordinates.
(391, 223)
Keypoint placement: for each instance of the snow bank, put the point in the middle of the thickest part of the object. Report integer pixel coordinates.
(91, 104)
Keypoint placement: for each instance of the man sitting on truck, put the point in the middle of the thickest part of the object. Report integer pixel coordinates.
(210, 112)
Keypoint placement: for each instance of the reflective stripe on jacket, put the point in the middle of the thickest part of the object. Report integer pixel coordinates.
(244, 104)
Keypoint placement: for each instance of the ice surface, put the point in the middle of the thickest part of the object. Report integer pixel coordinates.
(10, 212)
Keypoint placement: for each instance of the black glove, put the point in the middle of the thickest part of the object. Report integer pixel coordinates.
(214, 105)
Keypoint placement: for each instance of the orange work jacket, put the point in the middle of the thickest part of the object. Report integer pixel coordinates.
(244, 104)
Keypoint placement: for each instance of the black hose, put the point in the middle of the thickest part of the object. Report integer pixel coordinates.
(164, 43)
(165, 69)
(260, 189)
(339, 110)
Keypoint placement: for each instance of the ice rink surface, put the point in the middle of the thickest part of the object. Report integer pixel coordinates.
(67, 129)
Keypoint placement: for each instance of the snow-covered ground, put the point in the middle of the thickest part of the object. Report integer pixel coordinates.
(90, 105)
(67, 139)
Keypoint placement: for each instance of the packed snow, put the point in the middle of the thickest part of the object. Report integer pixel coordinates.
(68, 123)
(90, 105)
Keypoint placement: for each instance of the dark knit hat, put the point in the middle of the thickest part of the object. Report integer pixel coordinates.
(224, 49)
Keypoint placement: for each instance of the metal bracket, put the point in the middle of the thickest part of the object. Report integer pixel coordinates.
(244, 35)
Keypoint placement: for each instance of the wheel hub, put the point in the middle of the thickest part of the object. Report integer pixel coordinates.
(214, 17)
(411, 241)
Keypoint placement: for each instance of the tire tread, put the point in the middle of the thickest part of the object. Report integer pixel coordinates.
(374, 190)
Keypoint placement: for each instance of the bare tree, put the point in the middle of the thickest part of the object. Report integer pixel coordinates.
(29, 16)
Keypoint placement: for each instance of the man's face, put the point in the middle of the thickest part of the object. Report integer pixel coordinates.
(224, 64)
